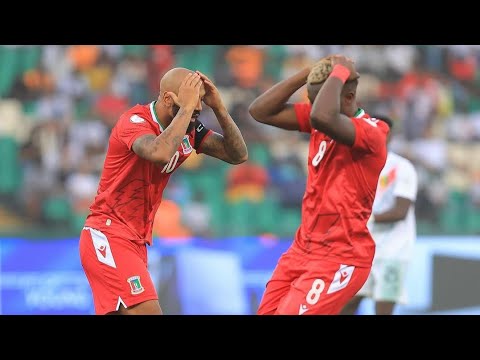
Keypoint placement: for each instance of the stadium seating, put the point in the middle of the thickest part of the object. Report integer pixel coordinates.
(455, 121)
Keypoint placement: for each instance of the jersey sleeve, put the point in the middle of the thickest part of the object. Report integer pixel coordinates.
(370, 134)
(302, 111)
(133, 126)
(201, 133)
(406, 184)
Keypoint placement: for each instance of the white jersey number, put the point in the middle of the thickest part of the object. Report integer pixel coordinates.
(321, 152)
(171, 164)
(314, 294)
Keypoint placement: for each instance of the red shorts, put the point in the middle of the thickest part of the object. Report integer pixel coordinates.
(302, 285)
(116, 269)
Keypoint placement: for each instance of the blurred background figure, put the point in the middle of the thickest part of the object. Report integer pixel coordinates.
(393, 228)
(58, 104)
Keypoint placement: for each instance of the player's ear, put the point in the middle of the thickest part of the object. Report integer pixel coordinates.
(168, 99)
(350, 96)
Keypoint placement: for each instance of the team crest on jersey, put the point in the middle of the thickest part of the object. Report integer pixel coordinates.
(135, 285)
(186, 146)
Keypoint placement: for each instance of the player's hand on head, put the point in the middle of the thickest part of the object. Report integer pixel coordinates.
(212, 96)
(188, 92)
(348, 63)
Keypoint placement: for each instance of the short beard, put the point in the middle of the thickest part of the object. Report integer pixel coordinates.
(175, 109)
(190, 127)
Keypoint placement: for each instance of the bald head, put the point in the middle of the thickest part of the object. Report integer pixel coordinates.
(172, 79)
(169, 102)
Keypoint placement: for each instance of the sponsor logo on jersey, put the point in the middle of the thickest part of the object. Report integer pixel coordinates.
(371, 121)
(136, 119)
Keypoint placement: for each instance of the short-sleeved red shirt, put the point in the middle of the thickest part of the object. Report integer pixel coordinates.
(130, 189)
(341, 186)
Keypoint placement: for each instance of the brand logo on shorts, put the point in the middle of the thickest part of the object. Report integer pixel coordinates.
(303, 309)
(341, 278)
(102, 247)
(103, 250)
(135, 285)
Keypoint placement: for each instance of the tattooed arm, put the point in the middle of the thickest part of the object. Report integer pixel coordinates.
(230, 146)
(160, 149)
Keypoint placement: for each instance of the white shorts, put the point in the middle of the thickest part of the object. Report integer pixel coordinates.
(386, 281)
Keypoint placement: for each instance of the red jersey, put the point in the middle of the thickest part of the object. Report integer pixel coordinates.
(130, 189)
(341, 186)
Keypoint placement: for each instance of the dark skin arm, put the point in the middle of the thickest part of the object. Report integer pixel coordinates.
(229, 147)
(397, 212)
(159, 149)
(325, 115)
(272, 107)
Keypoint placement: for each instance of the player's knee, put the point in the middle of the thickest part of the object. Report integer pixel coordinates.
(352, 306)
(384, 307)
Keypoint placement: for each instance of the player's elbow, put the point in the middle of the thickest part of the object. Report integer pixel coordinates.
(146, 148)
(239, 160)
(402, 214)
(255, 111)
(320, 120)
(160, 159)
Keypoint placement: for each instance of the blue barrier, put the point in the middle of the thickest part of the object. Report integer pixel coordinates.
(211, 276)
(225, 276)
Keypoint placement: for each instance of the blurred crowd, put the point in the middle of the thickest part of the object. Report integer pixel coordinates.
(59, 102)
